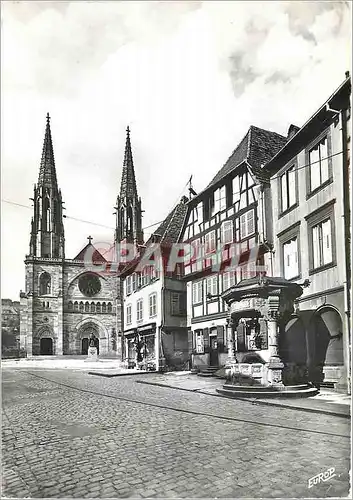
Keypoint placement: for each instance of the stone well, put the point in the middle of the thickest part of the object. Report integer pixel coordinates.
(263, 305)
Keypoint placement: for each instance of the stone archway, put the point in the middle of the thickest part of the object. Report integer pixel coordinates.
(83, 332)
(326, 331)
(44, 342)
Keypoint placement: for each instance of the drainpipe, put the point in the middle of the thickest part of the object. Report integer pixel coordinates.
(346, 231)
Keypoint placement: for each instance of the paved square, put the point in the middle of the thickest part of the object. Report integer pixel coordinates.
(69, 434)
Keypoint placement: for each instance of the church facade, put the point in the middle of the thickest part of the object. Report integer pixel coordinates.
(65, 300)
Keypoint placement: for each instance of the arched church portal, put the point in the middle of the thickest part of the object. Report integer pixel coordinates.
(84, 333)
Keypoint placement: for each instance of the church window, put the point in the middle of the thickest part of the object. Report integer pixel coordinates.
(81, 306)
(46, 214)
(87, 307)
(98, 307)
(76, 306)
(93, 307)
(104, 307)
(109, 307)
(45, 284)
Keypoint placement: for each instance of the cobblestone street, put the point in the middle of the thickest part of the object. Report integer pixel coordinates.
(70, 434)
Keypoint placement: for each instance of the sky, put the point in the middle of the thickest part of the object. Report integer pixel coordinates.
(189, 78)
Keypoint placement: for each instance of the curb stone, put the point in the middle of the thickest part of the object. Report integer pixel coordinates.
(254, 401)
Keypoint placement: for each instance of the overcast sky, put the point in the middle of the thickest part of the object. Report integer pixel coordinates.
(188, 77)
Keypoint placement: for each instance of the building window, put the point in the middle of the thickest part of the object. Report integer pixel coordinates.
(86, 307)
(210, 242)
(322, 244)
(236, 189)
(139, 311)
(227, 231)
(199, 342)
(75, 306)
(128, 314)
(288, 189)
(93, 307)
(81, 307)
(134, 282)
(45, 284)
(109, 308)
(290, 258)
(219, 200)
(247, 224)
(319, 164)
(70, 306)
(104, 307)
(197, 292)
(98, 307)
(212, 282)
(153, 304)
(128, 285)
(228, 280)
(178, 303)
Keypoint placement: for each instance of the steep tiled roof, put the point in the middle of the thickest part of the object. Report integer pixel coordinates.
(91, 254)
(170, 229)
(257, 148)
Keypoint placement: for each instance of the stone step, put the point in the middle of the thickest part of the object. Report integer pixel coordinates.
(205, 374)
(266, 392)
(258, 387)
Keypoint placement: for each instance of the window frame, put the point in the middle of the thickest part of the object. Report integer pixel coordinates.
(285, 237)
(129, 314)
(315, 218)
(293, 164)
(326, 133)
(139, 310)
(198, 283)
(152, 296)
(244, 214)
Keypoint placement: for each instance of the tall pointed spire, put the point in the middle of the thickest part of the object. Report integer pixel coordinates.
(47, 172)
(128, 204)
(128, 182)
(47, 228)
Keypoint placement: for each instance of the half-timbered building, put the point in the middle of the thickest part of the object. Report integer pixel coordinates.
(229, 223)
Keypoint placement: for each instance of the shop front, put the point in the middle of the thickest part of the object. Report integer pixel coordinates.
(140, 347)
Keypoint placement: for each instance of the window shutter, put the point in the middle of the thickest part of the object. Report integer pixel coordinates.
(251, 222)
(222, 347)
(263, 333)
(190, 342)
(324, 160)
(241, 337)
(206, 339)
(284, 192)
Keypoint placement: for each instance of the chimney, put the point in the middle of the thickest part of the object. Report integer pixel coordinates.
(347, 74)
(293, 129)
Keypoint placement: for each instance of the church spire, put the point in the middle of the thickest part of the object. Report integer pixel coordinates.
(47, 172)
(128, 187)
(47, 229)
(128, 205)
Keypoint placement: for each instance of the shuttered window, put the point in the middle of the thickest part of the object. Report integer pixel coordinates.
(153, 304)
(247, 224)
(128, 314)
(197, 289)
(139, 310)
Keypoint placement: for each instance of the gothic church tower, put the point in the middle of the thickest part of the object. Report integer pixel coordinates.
(128, 203)
(41, 327)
